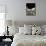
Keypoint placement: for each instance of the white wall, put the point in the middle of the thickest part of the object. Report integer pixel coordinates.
(16, 10)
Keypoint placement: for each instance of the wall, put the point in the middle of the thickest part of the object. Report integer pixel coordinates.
(16, 10)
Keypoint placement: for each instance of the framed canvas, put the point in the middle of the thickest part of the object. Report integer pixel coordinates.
(30, 9)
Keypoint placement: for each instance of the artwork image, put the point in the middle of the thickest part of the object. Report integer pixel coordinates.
(30, 9)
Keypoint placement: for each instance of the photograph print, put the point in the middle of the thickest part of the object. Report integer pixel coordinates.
(30, 9)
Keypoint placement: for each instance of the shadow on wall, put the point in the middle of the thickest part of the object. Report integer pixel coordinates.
(21, 23)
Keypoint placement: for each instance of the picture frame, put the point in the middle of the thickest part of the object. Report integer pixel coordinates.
(30, 9)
